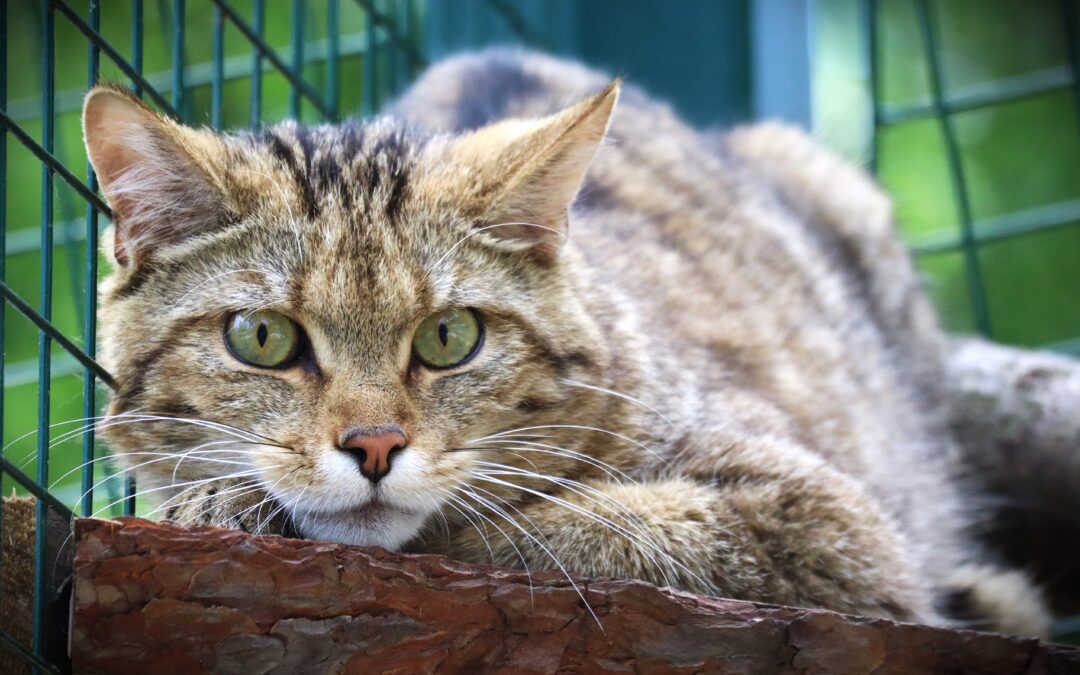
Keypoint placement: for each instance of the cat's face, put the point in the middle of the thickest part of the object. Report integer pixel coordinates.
(341, 315)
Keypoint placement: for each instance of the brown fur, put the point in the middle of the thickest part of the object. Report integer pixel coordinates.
(722, 376)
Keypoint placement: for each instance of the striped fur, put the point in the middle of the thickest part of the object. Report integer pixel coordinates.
(721, 376)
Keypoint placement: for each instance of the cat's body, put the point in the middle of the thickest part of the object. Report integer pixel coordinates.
(725, 378)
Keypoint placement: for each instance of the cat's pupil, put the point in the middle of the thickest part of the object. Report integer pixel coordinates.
(444, 333)
(262, 334)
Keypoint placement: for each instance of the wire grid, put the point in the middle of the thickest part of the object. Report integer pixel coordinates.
(390, 30)
(943, 108)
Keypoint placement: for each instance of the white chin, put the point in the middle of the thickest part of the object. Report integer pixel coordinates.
(390, 528)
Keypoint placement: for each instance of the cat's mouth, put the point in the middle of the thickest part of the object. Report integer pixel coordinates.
(374, 523)
(377, 510)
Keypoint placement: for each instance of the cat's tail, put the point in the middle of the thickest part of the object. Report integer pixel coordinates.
(983, 597)
(1016, 415)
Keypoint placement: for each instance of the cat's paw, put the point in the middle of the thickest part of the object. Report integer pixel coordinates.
(663, 532)
(229, 505)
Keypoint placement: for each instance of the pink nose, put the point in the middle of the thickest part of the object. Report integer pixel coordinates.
(373, 449)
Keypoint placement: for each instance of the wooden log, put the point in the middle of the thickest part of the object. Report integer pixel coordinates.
(158, 598)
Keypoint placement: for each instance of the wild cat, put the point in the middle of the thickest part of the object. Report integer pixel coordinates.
(513, 321)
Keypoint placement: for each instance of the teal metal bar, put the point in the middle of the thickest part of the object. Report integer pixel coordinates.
(34, 488)
(390, 56)
(179, 24)
(48, 89)
(517, 22)
(1007, 226)
(369, 89)
(12, 645)
(218, 60)
(258, 22)
(872, 65)
(45, 326)
(90, 297)
(1014, 89)
(403, 71)
(114, 55)
(3, 237)
(54, 164)
(1072, 44)
(297, 41)
(415, 39)
(268, 52)
(333, 34)
(976, 287)
(137, 43)
(386, 23)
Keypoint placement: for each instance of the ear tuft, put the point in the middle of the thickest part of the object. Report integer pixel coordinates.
(524, 174)
(156, 188)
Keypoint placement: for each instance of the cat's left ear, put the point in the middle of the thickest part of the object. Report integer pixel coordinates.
(522, 175)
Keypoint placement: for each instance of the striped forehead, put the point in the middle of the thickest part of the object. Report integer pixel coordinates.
(366, 168)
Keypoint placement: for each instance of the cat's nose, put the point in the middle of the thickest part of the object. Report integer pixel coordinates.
(373, 448)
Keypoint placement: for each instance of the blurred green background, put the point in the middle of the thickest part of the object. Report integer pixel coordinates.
(858, 73)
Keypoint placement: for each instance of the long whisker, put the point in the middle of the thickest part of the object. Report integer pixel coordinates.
(106, 458)
(581, 427)
(212, 278)
(638, 539)
(510, 540)
(245, 434)
(162, 457)
(141, 493)
(77, 420)
(612, 471)
(237, 491)
(281, 507)
(483, 537)
(626, 397)
(478, 230)
(546, 549)
(267, 496)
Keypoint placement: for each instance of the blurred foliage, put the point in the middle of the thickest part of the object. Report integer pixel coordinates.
(1006, 66)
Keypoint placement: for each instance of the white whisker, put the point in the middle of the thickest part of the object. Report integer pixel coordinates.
(626, 397)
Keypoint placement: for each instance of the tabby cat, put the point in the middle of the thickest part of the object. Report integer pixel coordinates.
(510, 321)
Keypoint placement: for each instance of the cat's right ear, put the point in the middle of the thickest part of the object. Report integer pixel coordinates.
(148, 169)
(517, 178)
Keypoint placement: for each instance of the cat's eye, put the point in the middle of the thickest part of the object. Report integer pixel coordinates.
(263, 338)
(448, 338)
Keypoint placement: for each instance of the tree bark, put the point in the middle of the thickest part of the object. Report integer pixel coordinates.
(154, 597)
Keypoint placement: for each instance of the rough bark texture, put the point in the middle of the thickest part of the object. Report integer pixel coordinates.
(1017, 416)
(158, 598)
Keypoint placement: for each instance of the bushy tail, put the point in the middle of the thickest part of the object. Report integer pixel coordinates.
(1016, 415)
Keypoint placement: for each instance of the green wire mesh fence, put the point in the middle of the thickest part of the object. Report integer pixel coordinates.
(962, 85)
(234, 63)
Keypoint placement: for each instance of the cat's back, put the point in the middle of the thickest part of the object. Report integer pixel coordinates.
(754, 260)
(749, 221)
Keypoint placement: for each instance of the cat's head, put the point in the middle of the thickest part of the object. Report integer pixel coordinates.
(341, 314)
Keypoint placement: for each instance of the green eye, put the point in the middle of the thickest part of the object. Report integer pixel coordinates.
(448, 338)
(263, 338)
